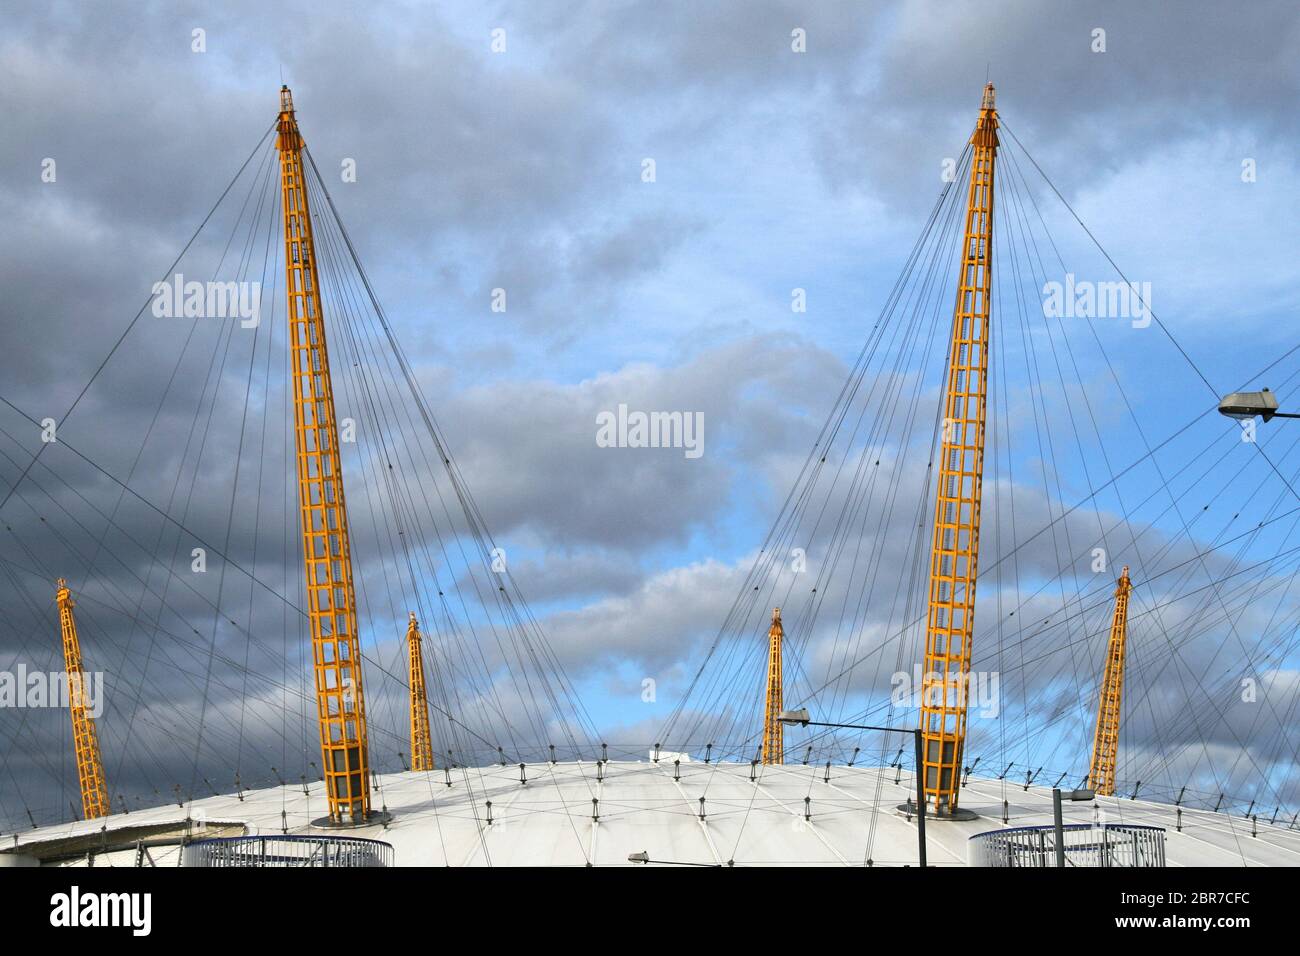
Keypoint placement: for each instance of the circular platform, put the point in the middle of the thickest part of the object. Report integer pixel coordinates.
(376, 818)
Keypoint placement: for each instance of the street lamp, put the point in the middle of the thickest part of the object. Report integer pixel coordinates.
(1058, 824)
(800, 717)
(1247, 405)
(644, 857)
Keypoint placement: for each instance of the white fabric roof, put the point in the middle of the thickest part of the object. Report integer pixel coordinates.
(548, 821)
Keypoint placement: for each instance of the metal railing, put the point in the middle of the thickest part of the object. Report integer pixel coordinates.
(1112, 844)
(288, 851)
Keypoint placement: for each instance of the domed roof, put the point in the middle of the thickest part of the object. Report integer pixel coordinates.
(786, 815)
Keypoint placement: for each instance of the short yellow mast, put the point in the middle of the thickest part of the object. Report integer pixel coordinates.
(331, 601)
(1105, 741)
(773, 729)
(955, 550)
(90, 766)
(421, 739)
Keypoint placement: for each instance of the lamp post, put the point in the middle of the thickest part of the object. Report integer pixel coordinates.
(644, 857)
(1057, 823)
(800, 717)
(1247, 405)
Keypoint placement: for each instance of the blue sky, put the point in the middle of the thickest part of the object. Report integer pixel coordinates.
(775, 170)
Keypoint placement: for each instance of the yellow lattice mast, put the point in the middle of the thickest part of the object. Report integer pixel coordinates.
(90, 767)
(1105, 741)
(331, 602)
(773, 729)
(954, 554)
(421, 739)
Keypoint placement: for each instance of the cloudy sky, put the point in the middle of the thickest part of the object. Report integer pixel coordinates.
(505, 147)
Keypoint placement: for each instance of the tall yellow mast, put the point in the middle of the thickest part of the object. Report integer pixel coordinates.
(1105, 741)
(331, 602)
(955, 551)
(90, 766)
(421, 739)
(773, 729)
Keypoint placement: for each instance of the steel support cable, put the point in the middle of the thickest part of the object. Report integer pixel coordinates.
(171, 381)
(815, 458)
(290, 605)
(216, 380)
(868, 714)
(103, 364)
(804, 624)
(135, 691)
(1026, 348)
(333, 294)
(442, 448)
(44, 574)
(137, 615)
(1228, 686)
(1005, 557)
(99, 543)
(1035, 373)
(489, 685)
(361, 393)
(929, 302)
(1272, 465)
(131, 324)
(353, 341)
(1280, 656)
(338, 225)
(1103, 603)
(930, 294)
(211, 381)
(357, 392)
(1032, 255)
(999, 427)
(1171, 542)
(1217, 395)
(1019, 206)
(1229, 618)
(484, 603)
(261, 461)
(917, 541)
(234, 494)
(792, 518)
(1026, 240)
(40, 623)
(470, 508)
(1026, 231)
(926, 294)
(1171, 601)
